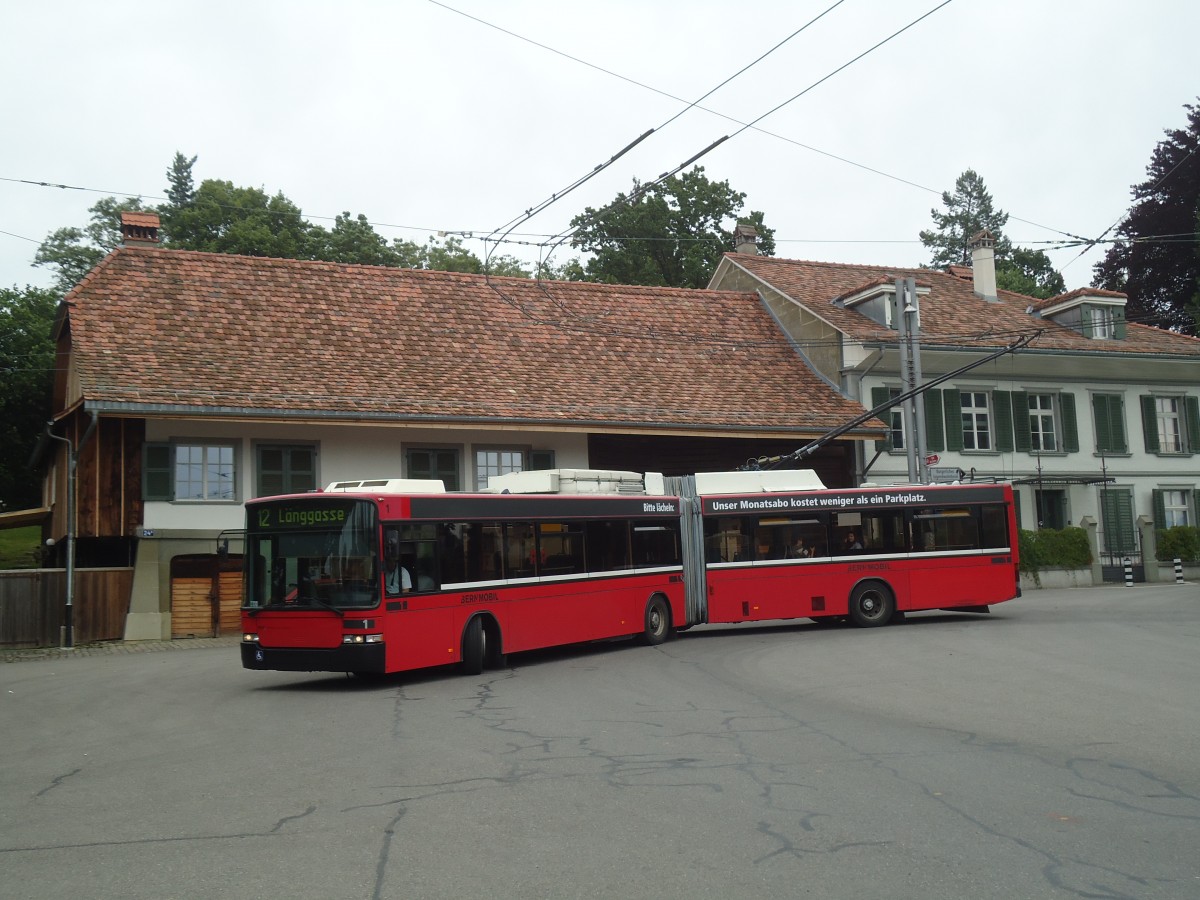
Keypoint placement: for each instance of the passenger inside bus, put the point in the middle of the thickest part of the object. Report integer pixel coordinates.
(851, 544)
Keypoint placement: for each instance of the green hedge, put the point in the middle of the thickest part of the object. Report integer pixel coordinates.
(1181, 542)
(1049, 548)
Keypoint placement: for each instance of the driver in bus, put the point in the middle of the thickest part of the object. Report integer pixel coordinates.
(397, 576)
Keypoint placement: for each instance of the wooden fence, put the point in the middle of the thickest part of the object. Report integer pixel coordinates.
(33, 604)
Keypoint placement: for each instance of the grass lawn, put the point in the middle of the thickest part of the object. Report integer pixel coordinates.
(19, 547)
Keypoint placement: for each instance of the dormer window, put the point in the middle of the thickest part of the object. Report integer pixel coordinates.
(877, 301)
(1094, 313)
(1099, 323)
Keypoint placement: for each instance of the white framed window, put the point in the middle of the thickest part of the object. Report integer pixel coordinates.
(1168, 417)
(491, 461)
(1102, 325)
(1174, 507)
(1043, 434)
(976, 420)
(896, 422)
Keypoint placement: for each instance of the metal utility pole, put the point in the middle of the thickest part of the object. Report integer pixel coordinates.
(912, 311)
(908, 416)
(907, 318)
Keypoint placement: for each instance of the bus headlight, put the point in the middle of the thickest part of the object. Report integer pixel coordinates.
(362, 638)
(250, 638)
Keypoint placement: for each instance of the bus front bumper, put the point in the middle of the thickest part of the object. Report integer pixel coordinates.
(366, 658)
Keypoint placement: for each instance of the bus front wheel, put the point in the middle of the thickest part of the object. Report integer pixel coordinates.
(657, 625)
(871, 605)
(474, 647)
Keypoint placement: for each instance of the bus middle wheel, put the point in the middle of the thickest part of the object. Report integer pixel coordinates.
(657, 624)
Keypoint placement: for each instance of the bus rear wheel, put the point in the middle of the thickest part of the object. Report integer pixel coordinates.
(871, 605)
(657, 624)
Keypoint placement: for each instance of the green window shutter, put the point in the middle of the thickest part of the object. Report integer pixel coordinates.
(935, 432)
(1191, 407)
(1085, 314)
(1149, 423)
(156, 472)
(1117, 507)
(1070, 424)
(880, 395)
(1020, 417)
(1160, 509)
(1110, 424)
(952, 403)
(1002, 406)
(1100, 413)
(1119, 330)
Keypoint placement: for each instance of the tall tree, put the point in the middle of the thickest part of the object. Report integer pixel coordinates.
(181, 192)
(1156, 258)
(355, 240)
(668, 234)
(1029, 272)
(450, 255)
(969, 210)
(26, 382)
(72, 252)
(224, 218)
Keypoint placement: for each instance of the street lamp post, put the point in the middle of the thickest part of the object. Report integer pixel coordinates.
(72, 465)
(68, 639)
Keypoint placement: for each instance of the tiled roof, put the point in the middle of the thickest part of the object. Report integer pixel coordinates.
(193, 331)
(951, 313)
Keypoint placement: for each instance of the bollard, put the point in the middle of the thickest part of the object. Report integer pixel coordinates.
(1128, 572)
(1178, 570)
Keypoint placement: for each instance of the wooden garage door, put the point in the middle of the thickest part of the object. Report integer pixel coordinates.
(206, 595)
(192, 607)
(229, 590)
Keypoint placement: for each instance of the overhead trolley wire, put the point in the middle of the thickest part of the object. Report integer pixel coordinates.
(558, 239)
(558, 195)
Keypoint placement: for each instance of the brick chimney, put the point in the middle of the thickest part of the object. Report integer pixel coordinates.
(983, 265)
(139, 228)
(745, 239)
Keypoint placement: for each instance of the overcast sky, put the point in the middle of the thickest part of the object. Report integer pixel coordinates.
(427, 117)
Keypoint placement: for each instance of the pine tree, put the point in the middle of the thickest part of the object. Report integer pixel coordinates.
(969, 210)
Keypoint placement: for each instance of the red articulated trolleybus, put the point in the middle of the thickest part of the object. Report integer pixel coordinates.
(385, 576)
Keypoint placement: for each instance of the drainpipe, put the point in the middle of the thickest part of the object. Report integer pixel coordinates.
(68, 635)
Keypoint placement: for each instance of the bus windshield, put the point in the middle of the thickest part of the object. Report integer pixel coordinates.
(316, 554)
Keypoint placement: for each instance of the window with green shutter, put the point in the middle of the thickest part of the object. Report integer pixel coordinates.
(189, 470)
(1170, 424)
(952, 403)
(1173, 507)
(1109, 414)
(894, 418)
(286, 469)
(1116, 508)
(1022, 441)
(156, 472)
(1070, 425)
(1002, 406)
(935, 430)
(435, 464)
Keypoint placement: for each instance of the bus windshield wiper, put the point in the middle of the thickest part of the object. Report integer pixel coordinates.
(313, 601)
